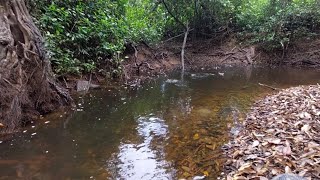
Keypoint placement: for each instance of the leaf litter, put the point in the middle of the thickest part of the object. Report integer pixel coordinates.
(281, 134)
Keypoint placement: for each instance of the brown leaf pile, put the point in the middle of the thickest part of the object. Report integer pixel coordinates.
(281, 134)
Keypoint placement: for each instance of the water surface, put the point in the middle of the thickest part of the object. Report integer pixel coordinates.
(168, 128)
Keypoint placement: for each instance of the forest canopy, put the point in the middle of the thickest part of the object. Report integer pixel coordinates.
(82, 35)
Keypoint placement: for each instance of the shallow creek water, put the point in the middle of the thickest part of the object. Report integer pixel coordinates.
(166, 129)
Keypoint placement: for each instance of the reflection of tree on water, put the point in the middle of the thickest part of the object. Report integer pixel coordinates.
(144, 159)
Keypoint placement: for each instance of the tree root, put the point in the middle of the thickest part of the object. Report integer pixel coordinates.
(27, 85)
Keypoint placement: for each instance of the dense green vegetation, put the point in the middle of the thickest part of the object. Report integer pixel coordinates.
(84, 35)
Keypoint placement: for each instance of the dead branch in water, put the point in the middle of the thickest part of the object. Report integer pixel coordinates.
(264, 85)
(187, 30)
(184, 46)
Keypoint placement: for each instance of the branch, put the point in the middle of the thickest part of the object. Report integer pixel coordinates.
(184, 46)
(176, 36)
(264, 85)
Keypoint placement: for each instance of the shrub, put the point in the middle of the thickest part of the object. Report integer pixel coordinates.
(82, 35)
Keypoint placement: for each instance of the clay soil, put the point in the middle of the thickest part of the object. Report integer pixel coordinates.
(149, 62)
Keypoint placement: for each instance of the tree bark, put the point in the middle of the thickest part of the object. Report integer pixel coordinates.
(27, 85)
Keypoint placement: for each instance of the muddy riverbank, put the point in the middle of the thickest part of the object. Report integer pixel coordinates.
(147, 62)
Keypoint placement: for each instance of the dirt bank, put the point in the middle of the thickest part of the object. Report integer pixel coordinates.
(147, 62)
(304, 52)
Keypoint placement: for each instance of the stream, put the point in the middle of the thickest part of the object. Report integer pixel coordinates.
(169, 128)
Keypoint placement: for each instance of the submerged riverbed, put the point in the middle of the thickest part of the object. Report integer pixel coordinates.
(168, 128)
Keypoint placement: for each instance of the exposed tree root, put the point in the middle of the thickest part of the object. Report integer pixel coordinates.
(27, 86)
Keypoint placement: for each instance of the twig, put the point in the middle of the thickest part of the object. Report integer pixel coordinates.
(148, 65)
(65, 83)
(264, 85)
(176, 36)
(89, 84)
(184, 46)
(135, 55)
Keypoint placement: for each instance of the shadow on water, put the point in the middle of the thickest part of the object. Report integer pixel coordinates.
(166, 129)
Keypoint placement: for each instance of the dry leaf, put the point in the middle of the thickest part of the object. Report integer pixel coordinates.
(287, 149)
(185, 168)
(245, 166)
(280, 134)
(196, 137)
(274, 141)
(305, 128)
(263, 178)
(255, 144)
(287, 170)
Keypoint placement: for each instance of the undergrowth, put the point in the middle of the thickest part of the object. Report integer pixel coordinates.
(88, 35)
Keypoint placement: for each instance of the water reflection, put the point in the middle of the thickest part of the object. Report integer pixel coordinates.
(145, 159)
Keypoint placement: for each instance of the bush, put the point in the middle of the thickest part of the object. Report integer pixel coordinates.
(275, 23)
(82, 35)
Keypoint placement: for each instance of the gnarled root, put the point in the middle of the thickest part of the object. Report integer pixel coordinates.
(27, 86)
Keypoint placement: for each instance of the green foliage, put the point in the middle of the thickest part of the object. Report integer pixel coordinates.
(82, 35)
(145, 20)
(275, 23)
(205, 16)
(271, 23)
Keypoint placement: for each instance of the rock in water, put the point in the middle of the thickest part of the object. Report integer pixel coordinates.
(172, 81)
(85, 85)
(288, 177)
(203, 112)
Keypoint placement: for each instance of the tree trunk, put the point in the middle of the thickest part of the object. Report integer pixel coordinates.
(27, 85)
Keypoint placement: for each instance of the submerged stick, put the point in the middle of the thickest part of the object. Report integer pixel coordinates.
(264, 85)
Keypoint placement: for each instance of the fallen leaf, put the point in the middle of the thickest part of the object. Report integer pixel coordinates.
(196, 137)
(305, 128)
(263, 178)
(245, 167)
(287, 149)
(186, 174)
(185, 168)
(287, 170)
(255, 143)
(274, 141)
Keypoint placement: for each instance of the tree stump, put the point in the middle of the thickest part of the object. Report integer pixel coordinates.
(27, 84)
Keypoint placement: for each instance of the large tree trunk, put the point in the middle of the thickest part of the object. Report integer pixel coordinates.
(27, 86)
